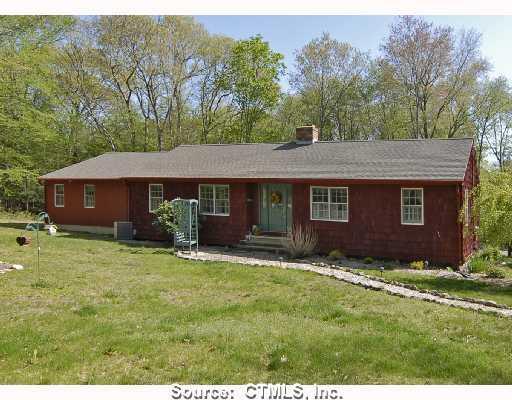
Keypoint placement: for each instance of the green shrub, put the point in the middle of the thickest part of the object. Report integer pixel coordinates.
(335, 255)
(368, 260)
(493, 272)
(419, 265)
(166, 217)
(478, 265)
(490, 253)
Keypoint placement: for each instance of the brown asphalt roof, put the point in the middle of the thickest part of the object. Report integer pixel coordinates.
(428, 159)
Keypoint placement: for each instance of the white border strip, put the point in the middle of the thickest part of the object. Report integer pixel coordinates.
(261, 7)
(256, 391)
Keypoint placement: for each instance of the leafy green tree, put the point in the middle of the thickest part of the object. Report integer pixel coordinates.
(254, 71)
(493, 205)
(213, 93)
(331, 78)
(435, 70)
(490, 99)
(30, 142)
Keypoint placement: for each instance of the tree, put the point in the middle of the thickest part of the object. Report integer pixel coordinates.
(434, 68)
(493, 204)
(180, 41)
(29, 139)
(499, 139)
(254, 71)
(332, 78)
(488, 101)
(389, 115)
(212, 86)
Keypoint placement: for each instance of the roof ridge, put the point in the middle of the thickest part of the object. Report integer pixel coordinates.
(330, 141)
(228, 144)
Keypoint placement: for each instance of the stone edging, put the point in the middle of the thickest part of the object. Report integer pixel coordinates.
(372, 283)
(488, 303)
(6, 267)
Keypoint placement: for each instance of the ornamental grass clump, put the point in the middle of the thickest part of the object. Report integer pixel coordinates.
(301, 241)
(478, 265)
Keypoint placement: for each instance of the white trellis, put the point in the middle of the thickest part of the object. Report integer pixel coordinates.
(187, 232)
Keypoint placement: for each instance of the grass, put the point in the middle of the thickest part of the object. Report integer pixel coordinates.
(458, 287)
(111, 313)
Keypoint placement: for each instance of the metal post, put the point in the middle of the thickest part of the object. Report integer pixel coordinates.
(38, 253)
(190, 228)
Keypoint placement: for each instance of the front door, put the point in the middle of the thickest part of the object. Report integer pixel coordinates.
(275, 207)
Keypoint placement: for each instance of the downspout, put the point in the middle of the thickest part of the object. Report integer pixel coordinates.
(128, 195)
(460, 223)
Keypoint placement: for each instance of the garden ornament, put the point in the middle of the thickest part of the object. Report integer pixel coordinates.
(41, 219)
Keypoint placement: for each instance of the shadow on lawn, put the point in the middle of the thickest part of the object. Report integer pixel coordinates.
(94, 237)
(109, 238)
(451, 285)
(13, 225)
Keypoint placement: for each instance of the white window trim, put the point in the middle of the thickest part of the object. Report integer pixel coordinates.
(55, 195)
(149, 195)
(402, 207)
(214, 185)
(329, 203)
(85, 186)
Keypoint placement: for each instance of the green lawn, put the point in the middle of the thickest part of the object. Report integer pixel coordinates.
(110, 313)
(457, 287)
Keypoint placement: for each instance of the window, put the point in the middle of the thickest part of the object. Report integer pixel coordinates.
(89, 196)
(467, 208)
(58, 191)
(156, 196)
(329, 203)
(412, 206)
(214, 199)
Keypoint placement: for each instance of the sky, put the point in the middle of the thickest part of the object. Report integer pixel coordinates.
(289, 33)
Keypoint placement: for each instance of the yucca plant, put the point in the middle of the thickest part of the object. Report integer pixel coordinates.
(301, 241)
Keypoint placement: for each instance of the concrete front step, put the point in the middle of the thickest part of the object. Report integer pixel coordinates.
(253, 247)
(265, 240)
(278, 245)
(273, 244)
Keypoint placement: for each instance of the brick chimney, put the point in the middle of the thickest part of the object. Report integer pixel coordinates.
(306, 134)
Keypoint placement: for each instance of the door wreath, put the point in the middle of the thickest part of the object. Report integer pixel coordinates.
(276, 197)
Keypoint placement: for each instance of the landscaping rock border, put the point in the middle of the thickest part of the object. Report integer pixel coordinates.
(355, 278)
(6, 267)
(445, 295)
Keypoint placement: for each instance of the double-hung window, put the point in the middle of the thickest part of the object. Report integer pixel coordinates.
(156, 196)
(412, 206)
(329, 203)
(89, 196)
(58, 195)
(214, 199)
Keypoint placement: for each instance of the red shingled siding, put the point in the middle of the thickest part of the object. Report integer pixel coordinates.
(111, 203)
(222, 230)
(375, 229)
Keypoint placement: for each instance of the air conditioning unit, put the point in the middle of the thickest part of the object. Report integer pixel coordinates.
(123, 230)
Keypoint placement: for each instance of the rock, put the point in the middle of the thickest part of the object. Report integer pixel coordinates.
(17, 267)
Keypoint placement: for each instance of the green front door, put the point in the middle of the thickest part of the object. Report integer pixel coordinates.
(275, 207)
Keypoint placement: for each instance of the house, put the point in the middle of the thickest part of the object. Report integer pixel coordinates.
(398, 199)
